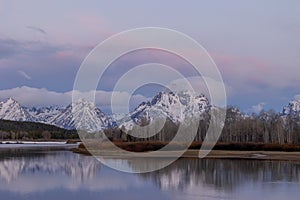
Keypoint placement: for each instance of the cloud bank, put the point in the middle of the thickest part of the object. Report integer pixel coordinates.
(28, 96)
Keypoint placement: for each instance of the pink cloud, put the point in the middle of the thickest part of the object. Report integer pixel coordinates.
(246, 72)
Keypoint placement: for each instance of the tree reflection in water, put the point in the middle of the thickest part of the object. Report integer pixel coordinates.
(222, 174)
(33, 171)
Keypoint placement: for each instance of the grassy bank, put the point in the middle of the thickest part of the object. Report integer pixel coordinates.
(153, 146)
(220, 150)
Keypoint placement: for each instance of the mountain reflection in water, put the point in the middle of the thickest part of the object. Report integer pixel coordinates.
(30, 172)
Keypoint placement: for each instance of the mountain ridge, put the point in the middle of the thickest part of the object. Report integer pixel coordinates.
(174, 106)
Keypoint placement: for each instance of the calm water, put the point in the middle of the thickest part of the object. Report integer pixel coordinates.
(59, 174)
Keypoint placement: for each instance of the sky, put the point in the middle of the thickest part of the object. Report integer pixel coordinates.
(255, 44)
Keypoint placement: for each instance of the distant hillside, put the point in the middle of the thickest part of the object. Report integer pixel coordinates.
(33, 130)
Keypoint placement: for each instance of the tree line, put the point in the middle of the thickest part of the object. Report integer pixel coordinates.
(14, 130)
(267, 127)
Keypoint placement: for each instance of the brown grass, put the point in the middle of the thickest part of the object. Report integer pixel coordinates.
(257, 147)
(154, 146)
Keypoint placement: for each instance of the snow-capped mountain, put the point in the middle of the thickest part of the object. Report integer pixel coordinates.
(12, 110)
(82, 115)
(86, 115)
(175, 106)
(45, 114)
(293, 108)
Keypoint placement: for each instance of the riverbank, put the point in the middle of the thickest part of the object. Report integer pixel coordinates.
(69, 141)
(254, 155)
(221, 150)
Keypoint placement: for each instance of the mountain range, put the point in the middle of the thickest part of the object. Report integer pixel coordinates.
(174, 106)
(88, 115)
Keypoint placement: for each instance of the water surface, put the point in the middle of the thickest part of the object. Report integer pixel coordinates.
(56, 173)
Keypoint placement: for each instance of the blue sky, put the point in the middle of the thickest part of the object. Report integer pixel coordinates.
(255, 44)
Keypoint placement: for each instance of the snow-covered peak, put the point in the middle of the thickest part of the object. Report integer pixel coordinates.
(45, 114)
(175, 106)
(293, 108)
(12, 110)
(11, 101)
(83, 115)
(182, 104)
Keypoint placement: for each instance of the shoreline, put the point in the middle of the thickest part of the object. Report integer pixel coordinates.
(193, 152)
(40, 141)
(13, 144)
(249, 155)
(216, 153)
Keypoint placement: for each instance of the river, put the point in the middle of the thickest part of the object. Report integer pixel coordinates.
(56, 173)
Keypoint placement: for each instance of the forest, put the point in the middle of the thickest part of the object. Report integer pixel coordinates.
(268, 127)
(13, 130)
